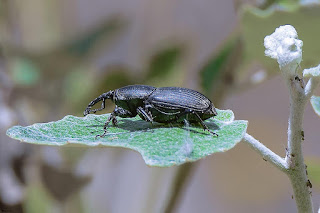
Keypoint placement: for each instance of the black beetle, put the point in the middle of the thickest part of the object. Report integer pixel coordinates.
(163, 105)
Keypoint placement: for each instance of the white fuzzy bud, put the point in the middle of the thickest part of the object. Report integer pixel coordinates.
(285, 46)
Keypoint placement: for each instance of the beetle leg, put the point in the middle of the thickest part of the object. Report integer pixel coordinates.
(112, 118)
(123, 113)
(204, 126)
(118, 111)
(145, 114)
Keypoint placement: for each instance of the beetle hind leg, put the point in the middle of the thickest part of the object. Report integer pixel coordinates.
(144, 114)
(204, 126)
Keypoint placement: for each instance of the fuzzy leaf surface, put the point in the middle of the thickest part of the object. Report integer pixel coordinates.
(160, 145)
(315, 102)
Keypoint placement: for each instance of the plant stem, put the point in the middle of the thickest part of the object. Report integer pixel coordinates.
(293, 165)
(181, 177)
(285, 46)
(297, 171)
(266, 153)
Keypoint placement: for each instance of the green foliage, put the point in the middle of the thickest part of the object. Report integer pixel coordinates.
(159, 145)
(211, 72)
(256, 24)
(315, 102)
(24, 72)
(164, 61)
(37, 199)
(82, 45)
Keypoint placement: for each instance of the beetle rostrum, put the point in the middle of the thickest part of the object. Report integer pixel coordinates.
(162, 105)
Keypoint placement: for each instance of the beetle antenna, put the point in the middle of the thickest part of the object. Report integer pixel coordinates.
(103, 97)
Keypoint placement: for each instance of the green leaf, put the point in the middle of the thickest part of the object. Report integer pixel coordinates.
(160, 145)
(315, 102)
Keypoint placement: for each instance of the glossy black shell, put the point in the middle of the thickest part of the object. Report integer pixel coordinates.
(131, 97)
(174, 104)
(177, 97)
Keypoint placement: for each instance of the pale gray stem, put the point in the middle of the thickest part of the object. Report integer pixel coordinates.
(293, 165)
(266, 153)
(285, 46)
(297, 171)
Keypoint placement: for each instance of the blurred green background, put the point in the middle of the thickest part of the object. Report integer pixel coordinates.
(56, 56)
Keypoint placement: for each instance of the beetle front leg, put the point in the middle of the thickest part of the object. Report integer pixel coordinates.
(118, 111)
(112, 118)
(123, 113)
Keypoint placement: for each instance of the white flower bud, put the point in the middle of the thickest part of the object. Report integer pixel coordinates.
(284, 46)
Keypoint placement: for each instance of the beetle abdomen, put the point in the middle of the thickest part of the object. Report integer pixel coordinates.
(179, 98)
